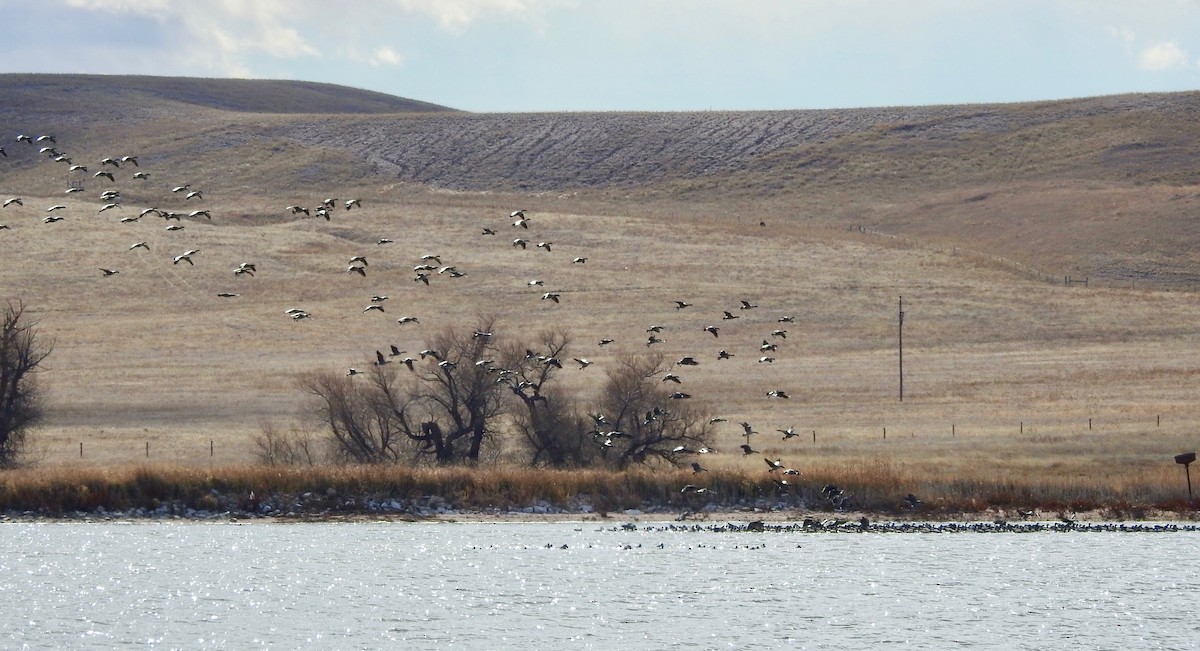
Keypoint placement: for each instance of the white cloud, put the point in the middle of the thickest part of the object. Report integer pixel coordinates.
(386, 56)
(1163, 56)
(1123, 34)
(456, 15)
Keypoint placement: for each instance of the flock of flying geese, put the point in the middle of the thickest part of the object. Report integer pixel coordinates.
(521, 224)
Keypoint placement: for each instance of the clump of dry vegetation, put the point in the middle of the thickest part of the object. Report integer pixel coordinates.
(331, 491)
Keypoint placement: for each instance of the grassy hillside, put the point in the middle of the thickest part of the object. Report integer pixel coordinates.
(972, 214)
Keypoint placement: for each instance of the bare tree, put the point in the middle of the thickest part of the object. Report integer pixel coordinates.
(637, 421)
(447, 409)
(291, 448)
(21, 356)
(549, 425)
(362, 420)
(458, 396)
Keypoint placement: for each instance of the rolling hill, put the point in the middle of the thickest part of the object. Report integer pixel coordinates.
(973, 213)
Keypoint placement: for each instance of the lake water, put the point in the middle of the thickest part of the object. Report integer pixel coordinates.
(477, 586)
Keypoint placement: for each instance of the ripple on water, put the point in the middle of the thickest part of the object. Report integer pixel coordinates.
(536, 585)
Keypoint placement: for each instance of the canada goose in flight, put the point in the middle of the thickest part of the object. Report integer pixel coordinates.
(24, 138)
(109, 195)
(108, 206)
(776, 393)
(447, 365)
(520, 242)
(185, 256)
(352, 269)
(408, 361)
(697, 468)
(170, 214)
(78, 168)
(746, 305)
(141, 175)
(679, 305)
(174, 227)
(109, 272)
(604, 342)
(104, 173)
(197, 213)
(544, 245)
(353, 371)
(300, 315)
(655, 328)
(72, 190)
(448, 269)
(551, 296)
(16, 200)
(182, 188)
(535, 282)
(651, 340)
(47, 139)
(380, 360)
(422, 278)
(768, 346)
(109, 161)
(766, 360)
(424, 267)
(4, 227)
(194, 194)
(729, 315)
(583, 362)
(51, 219)
(679, 395)
(297, 210)
(227, 295)
(128, 220)
(378, 298)
(488, 231)
(671, 377)
(912, 501)
(579, 261)
(523, 223)
(130, 159)
(481, 334)
(353, 202)
(407, 319)
(688, 361)
(248, 266)
(396, 352)
(243, 271)
(374, 306)
(53, 208)
(747, 450)
(787, 433)
(360, 258)
(384, 240)
(782, 334)
(323, 212)
(3, 152)
(747, 428)
(49, 151)
(294, 310)
(61, 158)
(713, 329)
(772, 466)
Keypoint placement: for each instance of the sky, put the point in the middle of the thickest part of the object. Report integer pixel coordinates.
(631, 55)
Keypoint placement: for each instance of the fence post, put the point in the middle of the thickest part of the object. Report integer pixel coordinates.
(211, 449)
(81, 449)
(147, 449)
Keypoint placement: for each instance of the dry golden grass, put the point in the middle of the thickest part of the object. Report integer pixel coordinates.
(1003, 367)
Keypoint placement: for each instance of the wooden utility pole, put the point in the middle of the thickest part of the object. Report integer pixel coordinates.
(900, 338)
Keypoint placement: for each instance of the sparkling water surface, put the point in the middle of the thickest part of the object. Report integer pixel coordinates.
(406, 585)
